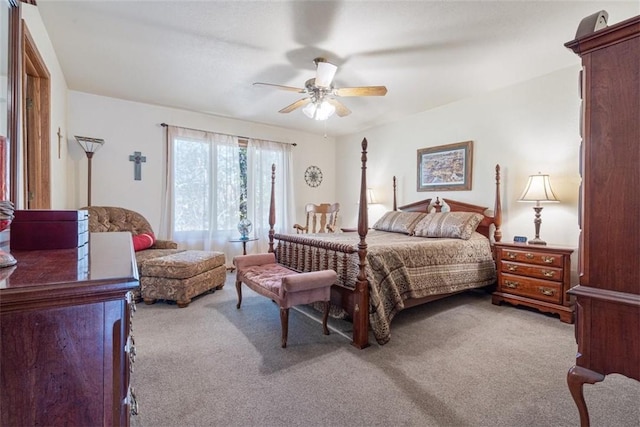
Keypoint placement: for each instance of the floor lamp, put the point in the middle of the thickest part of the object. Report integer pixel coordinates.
(538, 190)
(90, 146)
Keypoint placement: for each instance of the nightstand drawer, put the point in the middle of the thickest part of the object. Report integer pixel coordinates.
(541, 272)
(542, 290)
(532, 257)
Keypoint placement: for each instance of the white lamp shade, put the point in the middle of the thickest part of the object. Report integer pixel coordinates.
(371, 198)
(538, 189)
(324, 74)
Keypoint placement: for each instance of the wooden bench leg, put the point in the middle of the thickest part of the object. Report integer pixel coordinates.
(325, 317)
(284, 320)
(239, 291)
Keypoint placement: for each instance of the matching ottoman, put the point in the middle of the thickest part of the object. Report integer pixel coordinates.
(181, 276)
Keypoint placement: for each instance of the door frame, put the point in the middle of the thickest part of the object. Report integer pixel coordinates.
(36, 106)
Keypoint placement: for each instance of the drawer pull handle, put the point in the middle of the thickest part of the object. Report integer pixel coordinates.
(548, 259)
(547, 292)
(131, 300)
(512, 267)
(529, 255)
(511, 284)
(548, 273)
(130, 349)
(512, 255)
(132, 401)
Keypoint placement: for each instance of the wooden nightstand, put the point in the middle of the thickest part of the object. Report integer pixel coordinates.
(537, 276)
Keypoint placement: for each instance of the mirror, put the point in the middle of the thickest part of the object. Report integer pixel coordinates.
(4, 87)
(10, 15)
(8, 122)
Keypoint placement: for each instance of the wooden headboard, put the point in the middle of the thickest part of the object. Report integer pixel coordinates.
(484, 228)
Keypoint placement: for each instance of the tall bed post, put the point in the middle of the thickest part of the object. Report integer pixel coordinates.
(395, 203)
(361, 292)
(497, 210)
(272, 207)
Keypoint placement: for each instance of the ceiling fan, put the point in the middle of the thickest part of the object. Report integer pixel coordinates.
(320, 102)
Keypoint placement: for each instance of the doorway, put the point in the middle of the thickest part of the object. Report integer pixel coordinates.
(36, 108)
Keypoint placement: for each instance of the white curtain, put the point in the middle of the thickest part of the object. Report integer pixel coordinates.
(201, 200)
(261, 155)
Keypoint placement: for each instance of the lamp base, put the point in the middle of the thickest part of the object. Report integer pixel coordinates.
(537, 241)
(6, 259)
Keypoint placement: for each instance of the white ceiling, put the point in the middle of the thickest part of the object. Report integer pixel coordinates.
(204, 55)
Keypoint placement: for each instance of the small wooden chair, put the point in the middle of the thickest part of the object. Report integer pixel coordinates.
(323, 218)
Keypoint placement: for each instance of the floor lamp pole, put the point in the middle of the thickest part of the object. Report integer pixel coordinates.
(90, 146)
(89, 156)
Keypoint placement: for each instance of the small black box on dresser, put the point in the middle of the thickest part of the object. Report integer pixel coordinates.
(49, 229)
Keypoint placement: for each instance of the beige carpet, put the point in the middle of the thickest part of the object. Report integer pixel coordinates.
(456, 362)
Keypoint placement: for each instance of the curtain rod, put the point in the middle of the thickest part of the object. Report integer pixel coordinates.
(164, 125)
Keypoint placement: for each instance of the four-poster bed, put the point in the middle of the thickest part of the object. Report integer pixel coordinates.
(382, 271)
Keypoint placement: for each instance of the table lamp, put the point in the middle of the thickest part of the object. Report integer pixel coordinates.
(538, 190)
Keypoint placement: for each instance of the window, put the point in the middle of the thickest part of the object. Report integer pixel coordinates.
(205, 185)
(214, 181)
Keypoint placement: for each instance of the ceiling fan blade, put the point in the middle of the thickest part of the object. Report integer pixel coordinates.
(361, 91)
(289, 88)
(324, 73)
(341, 109)
(299, 103)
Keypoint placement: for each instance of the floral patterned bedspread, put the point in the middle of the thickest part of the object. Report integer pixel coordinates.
(402, 267)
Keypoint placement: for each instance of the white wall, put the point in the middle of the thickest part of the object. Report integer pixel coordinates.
(129, 126)
(60, 178)
(527, 128)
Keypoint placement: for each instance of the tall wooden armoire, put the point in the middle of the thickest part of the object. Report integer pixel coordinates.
(608, 296)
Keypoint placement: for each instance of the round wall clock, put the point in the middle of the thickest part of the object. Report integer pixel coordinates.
(313, 176)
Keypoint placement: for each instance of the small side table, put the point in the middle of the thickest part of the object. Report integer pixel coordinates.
(537, 276)
(244, 241)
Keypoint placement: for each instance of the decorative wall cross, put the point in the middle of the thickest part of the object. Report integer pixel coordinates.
(59, 138)
(137, 158)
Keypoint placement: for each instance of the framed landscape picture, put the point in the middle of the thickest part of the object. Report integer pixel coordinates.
(445, 167)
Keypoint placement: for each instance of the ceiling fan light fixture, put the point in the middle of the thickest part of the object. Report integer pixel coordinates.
(319, 110)
(324, 74)
(320, 102)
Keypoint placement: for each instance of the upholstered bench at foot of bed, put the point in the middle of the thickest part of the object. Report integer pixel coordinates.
(285, 287)
(182, 276)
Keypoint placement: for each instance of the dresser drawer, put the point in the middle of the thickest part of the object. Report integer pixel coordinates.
(542, 272)
(542, 290)
(532, 257)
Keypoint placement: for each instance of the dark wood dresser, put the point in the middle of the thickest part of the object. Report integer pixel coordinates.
(65, 329)
(608, 296)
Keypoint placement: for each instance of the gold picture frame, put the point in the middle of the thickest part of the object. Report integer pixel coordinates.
(446, 167)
